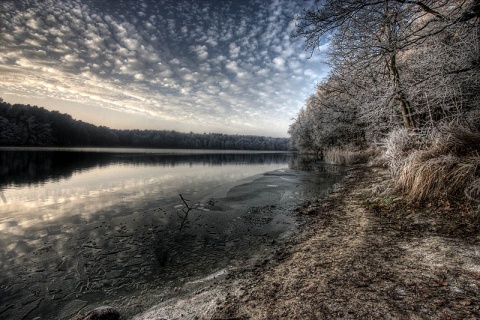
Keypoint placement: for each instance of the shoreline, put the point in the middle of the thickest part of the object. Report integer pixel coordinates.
(245, 193)
(351, 260)
(259, 214)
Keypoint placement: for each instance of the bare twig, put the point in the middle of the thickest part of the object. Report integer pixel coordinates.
(186, 210)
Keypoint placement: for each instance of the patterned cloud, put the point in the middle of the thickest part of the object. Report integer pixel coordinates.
(232, 66)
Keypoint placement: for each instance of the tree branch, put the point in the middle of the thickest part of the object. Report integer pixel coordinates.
(424, 7)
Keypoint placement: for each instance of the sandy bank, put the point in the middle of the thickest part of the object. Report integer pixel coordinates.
(354, 260)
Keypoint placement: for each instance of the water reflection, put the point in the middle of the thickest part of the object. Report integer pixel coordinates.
(82, 227)
(27, 167)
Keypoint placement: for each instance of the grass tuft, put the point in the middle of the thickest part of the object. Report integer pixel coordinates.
(444, 164)
(437, 177)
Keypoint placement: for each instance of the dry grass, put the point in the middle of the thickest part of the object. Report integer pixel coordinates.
(398, 145)
(472, 192)
(437, 177)
(456, 140)
(348, 155)
(448, 165)
(338, 155)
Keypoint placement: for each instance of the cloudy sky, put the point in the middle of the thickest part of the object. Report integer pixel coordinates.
(186, 65)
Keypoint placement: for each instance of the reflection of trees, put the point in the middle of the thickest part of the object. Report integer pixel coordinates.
(302, 161)
(25, 167)
(32, 167)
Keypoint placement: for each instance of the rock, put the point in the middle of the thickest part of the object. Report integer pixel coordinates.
(102, 313)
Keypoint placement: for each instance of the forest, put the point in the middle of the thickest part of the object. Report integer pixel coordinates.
(25, 125)
(403, 88)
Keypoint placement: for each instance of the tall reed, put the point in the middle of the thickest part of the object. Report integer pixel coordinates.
(348, 155)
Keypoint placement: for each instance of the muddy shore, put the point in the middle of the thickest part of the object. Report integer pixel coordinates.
(365, 254)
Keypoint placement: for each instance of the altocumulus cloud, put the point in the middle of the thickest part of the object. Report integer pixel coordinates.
(229, 66)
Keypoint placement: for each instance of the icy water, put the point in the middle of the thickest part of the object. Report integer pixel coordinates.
(79, 227)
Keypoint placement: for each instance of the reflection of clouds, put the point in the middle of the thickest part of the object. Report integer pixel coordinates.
(106, 231)
(120, 189)
(158, 57)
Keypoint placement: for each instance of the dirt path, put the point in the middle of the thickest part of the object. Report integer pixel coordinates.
(362, 256)
(355, 263)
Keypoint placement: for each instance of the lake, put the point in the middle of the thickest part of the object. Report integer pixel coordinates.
(84, 227)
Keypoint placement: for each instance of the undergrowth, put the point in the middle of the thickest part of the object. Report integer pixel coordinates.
(442, 164)
(348, 155)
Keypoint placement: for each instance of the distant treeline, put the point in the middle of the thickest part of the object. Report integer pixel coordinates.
(25, 125)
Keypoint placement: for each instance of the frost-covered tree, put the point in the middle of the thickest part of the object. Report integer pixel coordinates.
(395, 62)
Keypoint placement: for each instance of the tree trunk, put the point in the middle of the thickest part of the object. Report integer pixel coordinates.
(406, 112)
(400, 96)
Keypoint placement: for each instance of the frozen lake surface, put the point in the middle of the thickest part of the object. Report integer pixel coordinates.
(79, 227)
